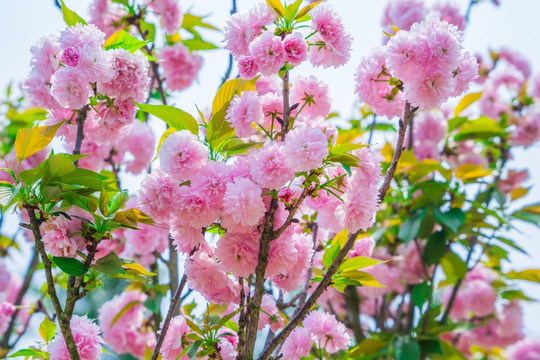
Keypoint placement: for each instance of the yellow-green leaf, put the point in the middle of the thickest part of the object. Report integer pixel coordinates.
(138, 268)
(276, 6)
(358, 262)
(467, 101)
(174, 117)
(129, 306)
(47, 329)
(306, 9)
(30, 141)
(471, 172)
(70, 17)
(163, 137)
(362, 277)
(529, 275)
(123, 40)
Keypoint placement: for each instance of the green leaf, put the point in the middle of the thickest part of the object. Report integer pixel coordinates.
(237, 146)
(405, 348)
(453, 219)
(368, 349)
(87, 203)
(337, 243)
(358, 262)
(131, 217)
(193, 349)
(292, 9)
(70, 266)
(117, 201)
(515, 295)
(481, 128)
(197, 44)
(345, 159)
(362, 278)
(130, 305)
(421, 293)
(70, 17)
(228, 317)
(123, 40)
(411, 227)
(109, 264)
(453, 266)
(47, 329)
(276, 6)
(149, 30)
(218, 129)
(7, 192)
(190, 22)
(174, 117)
(435, 248)
(305, 10)
(27, 352)
(345, 148)
(455, 123)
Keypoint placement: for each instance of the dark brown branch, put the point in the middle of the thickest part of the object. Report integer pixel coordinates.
(51, 290)
(172, 265)
(81, 118)
(325, 282)
(408, 113)
(170, 313)
(352, 301)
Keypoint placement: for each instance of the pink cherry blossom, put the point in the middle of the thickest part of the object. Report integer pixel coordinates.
(71, 88)
(6, 310)
(243, 203)
(180, 66)
(87, 338)
(327, 332)
(130, 79)
(247, 68)
(239, 253)
(363, 247)
(243, 111)
(238, 35)
(269, 166)
(205, 275)
(140, 143)
(451, 13)
(169, 12)
(528, 349)
(312, 96)
(172, 344)
(298, 344)
(270, 315)
(306, 148)
(402, 14)
(296, 49)
(181, 155)
(55, 237)
(268, 53)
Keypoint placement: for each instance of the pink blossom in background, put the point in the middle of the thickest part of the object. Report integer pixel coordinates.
(205, 275)
(247, 68)
(127, 335)
(296, 49)
(298, 344)
(55, 233)
(327, 331)
(363, 247)
(269, 166)
(180, 66)
(528, 349)
(6, 310)
(146, 240)
(265, 85)
(130, 79)
(517, 60)
(402, 14)
(181, 155)
(268, 53)
(140, 143)
(243, 111)
(513, 180)
(527, 129)
(87, 338)
(275, 320)
(172, 343)
(169, 12)
(185, 237)
(312, 96)
(306, 147)
(106, 16)
(450, 12)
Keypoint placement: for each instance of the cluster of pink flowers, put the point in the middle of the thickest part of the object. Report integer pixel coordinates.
(172, 343)
(87, 337)
(320, 329)
(70, 70)
(258, 49)
(404, 13)
(429, 62)
(430, 128)
(107, 16)
(180, 66)
(128, 335)
(169, 12)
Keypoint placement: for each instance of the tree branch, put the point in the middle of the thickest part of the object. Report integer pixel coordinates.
(325, 282)
(408, 113)
(172, 307)
(80, 132)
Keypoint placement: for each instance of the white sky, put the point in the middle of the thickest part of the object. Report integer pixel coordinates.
(514, 24)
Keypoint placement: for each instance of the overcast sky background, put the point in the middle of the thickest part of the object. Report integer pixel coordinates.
(513, 24)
